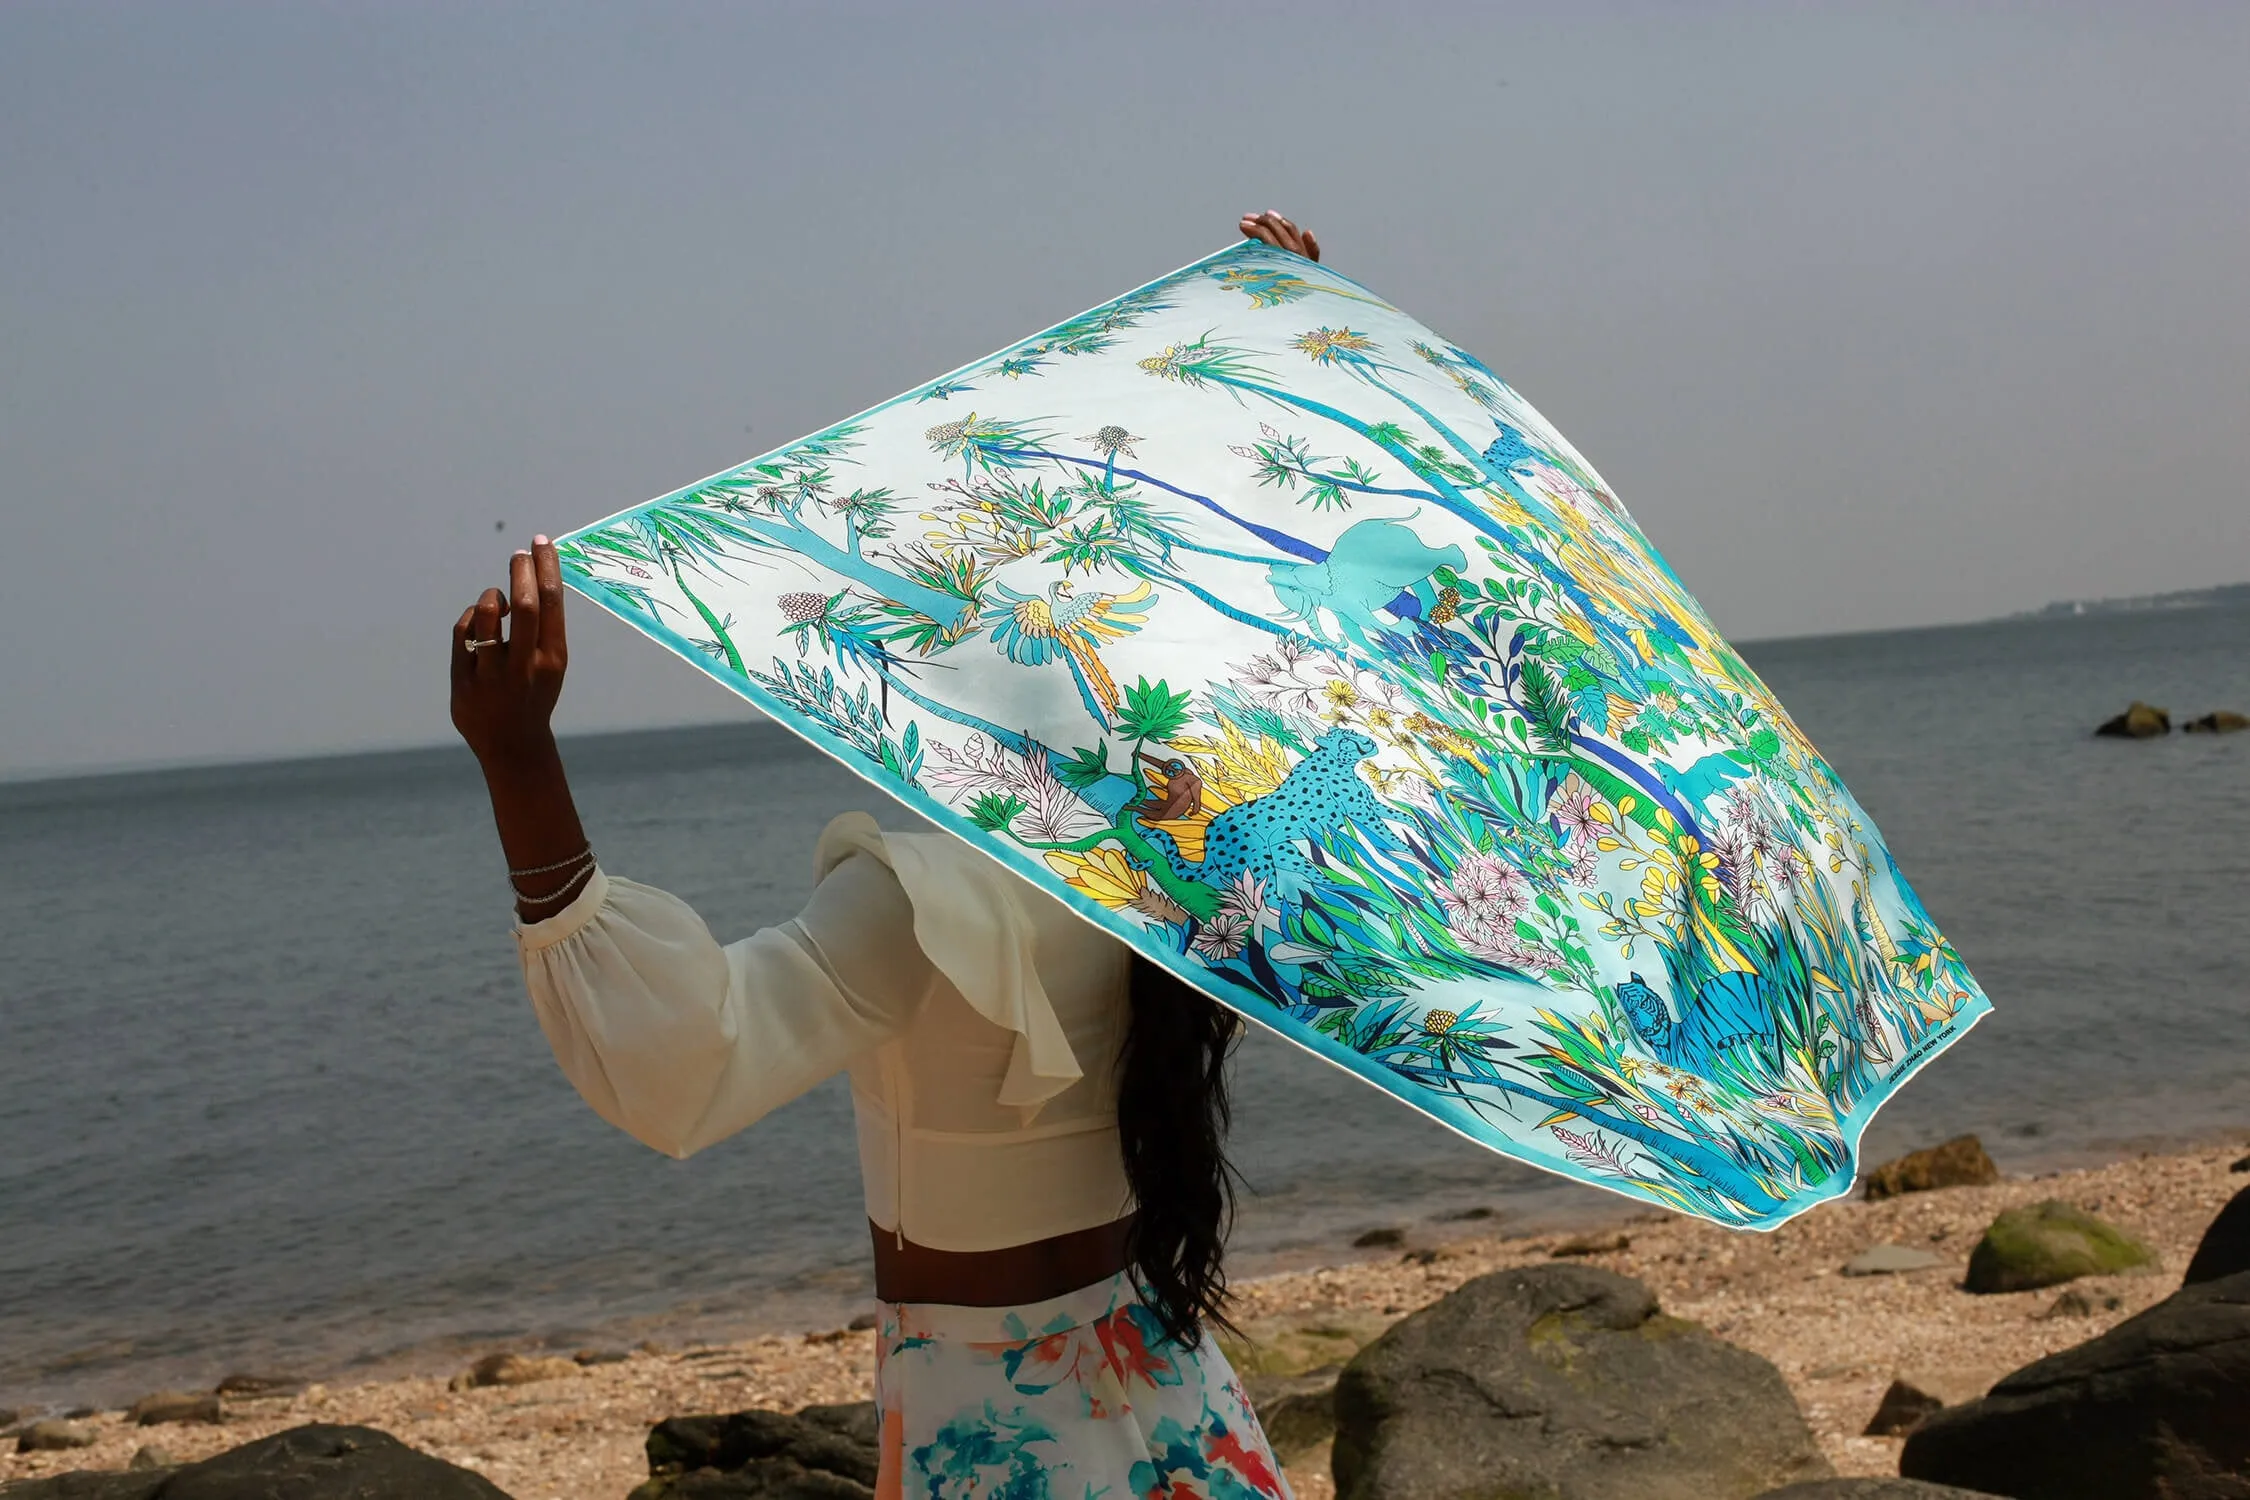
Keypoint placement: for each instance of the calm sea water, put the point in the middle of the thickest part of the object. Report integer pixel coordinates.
(270, 1093)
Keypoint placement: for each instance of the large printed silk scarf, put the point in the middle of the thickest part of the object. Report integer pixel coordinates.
(1284, 640)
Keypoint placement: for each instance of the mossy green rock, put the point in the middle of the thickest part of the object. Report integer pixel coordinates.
(1292, 1347)
(2043, 1244)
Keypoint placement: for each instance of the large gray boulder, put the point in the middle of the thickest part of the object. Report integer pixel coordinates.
(90, 1484)
(313, 1462)
(2159, 1406)
(1564, 1382)
(821, 1453)
(319, 1461)
(1871, 1489)
(2225, 1247)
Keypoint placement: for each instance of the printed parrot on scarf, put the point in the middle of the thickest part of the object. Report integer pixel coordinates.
(1073, 627)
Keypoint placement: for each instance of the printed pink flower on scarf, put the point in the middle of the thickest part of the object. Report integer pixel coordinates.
(1486, 891)
(1222, 936)
(1505, 949)
(1573, 811)
(1737, 859)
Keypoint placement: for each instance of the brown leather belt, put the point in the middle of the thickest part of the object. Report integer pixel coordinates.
(907, 1272)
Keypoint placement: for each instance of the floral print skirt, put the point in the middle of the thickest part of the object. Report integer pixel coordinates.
(1077, 1397)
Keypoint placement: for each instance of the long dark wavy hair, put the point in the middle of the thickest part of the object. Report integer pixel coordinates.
(1172, 1118)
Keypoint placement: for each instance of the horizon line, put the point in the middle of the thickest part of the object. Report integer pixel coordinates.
(33, 775)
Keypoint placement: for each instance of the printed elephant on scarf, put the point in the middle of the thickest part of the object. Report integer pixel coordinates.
(1372, 563)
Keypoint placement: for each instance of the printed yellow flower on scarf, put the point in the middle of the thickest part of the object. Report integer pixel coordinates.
(1103, 873)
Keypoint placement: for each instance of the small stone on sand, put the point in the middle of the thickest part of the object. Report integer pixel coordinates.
(1889, 1260)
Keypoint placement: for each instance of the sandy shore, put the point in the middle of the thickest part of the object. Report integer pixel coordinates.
(1838, 1340)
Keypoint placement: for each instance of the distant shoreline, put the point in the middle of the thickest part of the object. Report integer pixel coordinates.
(439, 751)
(2223, 596)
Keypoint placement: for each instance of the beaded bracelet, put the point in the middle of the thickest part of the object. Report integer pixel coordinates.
(561, 894)
(560, 864)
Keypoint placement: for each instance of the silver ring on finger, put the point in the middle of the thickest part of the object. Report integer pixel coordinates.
(473, 647)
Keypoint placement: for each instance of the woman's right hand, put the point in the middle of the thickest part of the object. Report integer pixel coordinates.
(505, 689)
(504, 696)
(1281, 233)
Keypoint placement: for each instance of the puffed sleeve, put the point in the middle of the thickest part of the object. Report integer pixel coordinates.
(680, 1042)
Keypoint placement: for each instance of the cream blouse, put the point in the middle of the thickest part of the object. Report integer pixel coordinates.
(980, 1019)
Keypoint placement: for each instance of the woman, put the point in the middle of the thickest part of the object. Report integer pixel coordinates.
(1041, 1114)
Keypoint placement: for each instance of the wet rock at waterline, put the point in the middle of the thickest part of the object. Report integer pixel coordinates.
(514, 1369)
(2139, 722)
(2223, 721)
(1960, 1162)
(258, 1387)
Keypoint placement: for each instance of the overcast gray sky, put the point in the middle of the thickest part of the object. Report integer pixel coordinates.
(1874, 315)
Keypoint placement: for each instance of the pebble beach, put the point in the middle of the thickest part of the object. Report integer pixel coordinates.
(1839, 1340)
